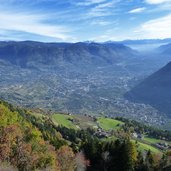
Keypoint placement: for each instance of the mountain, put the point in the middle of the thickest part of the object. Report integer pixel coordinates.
(154, 90)
(36, 54)
(165, 49)
(145, 45)
(83, 77)
(147, 41)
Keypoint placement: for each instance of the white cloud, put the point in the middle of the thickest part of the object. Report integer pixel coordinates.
(103, 9)
(90, 2)
(157, 28)
(32, 24)
(100, 22)
(157, 1)
(137, 10)
(105, 5)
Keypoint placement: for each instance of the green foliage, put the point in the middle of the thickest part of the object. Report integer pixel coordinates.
(151, 131)
(108, 124)
(66, 159)
(21, 143)
(7, 117)
(146, 147)
(33, 143)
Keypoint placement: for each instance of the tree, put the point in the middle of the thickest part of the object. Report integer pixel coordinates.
(106, 158)
(130, 155)
(150, 162)
(22, 145)
(123, 155)
(81, 161)
(66, 159)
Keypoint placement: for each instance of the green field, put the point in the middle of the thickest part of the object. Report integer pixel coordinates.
(83, 122)
(151, 140)
(146, 147)
(141, 146)
(154, 140)
(64, 120)
(38, 115)
(108, 124)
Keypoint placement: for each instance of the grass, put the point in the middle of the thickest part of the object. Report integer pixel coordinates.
(63, 120)
(108, 124)
(154, 140)
(85, 122)
(37, 115)
(151, 140)
(105, 123)
(146, 147)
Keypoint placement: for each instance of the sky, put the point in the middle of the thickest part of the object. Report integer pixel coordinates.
(84, 20)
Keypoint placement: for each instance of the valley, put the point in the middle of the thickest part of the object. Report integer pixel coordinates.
(83, 87)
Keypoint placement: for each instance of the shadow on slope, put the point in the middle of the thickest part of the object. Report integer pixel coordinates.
(154, 90)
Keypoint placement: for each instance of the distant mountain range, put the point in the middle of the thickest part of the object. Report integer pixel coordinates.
(29, 54)
(144, 44)
(36, 54)
(147, 41)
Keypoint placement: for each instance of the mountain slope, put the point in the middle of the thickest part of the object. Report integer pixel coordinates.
(32, 141)
(165, 49)
(155, 90)
(36, 54)
(22, 144)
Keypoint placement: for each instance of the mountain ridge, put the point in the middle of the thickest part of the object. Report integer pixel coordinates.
(28, 53)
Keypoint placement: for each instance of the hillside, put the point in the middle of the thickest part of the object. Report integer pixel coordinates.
(154, 90)
(22, 145)
(37, 55)
(109, 129)
(33, 141)
(165, 49)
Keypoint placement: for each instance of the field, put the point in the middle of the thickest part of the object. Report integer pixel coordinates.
(151, 140)
(146, 147)
(74, 121)
(64, 120)
(108, 124)
(83, 122)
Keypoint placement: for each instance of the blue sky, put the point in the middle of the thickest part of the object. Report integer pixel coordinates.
(81, 20)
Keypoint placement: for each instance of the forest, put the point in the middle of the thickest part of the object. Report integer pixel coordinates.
(30, 143)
